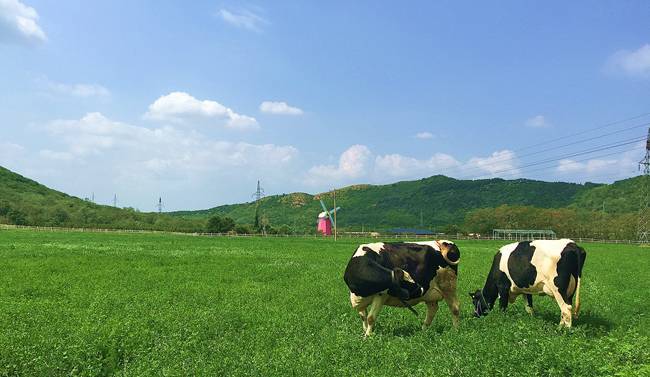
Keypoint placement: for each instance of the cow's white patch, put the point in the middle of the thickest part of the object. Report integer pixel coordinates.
(545, 258)
(376, 246)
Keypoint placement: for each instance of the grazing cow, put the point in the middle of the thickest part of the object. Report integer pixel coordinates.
(403, 274)
(551, 267)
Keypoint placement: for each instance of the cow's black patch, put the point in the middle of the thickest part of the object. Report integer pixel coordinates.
(570, 264)
(497, 285)
(365, 276)
(522, 272)
(420, 261)
(371, 273)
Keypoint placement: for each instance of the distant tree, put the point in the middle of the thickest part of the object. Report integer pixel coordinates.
(244, 229)
(217, 224)
(60, 216)
(16, 217)
(284, 229)
(213, 225)
(451, 229)
(4, 207)
(227, 224)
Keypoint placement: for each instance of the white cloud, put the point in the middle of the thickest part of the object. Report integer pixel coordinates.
(498, 163)
(424, 135)
(244, 18)
(180, 107)
(51, 155)
(631, 63)
(19, 23)
(9, 152)
(537, 121)
(396, 165)
(98, 154)
(358, 164)
(94, 134)
(79, 90)
(619, 166)
(279, 108)
(353, 164)
(590, 166)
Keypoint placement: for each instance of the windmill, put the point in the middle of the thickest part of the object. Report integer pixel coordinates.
(326, 219)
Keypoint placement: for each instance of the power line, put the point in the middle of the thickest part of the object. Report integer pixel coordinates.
(498, 160)
(586, 131)
(513, 157)
(574, 161)
(561, 157)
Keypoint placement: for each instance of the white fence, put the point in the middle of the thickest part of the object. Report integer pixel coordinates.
(351, 235)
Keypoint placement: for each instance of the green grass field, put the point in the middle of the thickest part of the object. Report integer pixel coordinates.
(101, 304)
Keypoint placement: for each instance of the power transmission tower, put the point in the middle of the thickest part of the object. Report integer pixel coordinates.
(258, 194)
(643, 233)
(159, 205)
(115, 200)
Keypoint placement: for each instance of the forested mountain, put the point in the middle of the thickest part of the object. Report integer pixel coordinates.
(438, 203)
(430, 202)
(26, 202)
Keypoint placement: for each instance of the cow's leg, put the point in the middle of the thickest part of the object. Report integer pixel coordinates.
(364, 318)
(504, 295)
(529, 304)
(432, 308)
(565, 309)
(360, 304)
(454, 306)
(377, 303)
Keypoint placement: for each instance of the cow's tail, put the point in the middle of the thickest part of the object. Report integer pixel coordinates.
(581, 261)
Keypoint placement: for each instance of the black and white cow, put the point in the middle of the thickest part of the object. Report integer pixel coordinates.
(403, 274)
(545, 267)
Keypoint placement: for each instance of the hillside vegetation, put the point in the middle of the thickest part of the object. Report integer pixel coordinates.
(438, 203)
(26, 202)
(437, 200)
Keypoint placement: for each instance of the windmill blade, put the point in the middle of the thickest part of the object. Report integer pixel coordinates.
(325, 209)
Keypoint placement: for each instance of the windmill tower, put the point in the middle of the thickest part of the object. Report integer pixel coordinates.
(643, 233)
(326, 219)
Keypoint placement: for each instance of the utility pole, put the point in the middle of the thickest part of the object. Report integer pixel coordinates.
(643, 233)
(421, 222)
(335, 229)
(258, 194)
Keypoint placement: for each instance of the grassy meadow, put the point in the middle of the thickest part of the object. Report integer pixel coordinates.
(154, 304)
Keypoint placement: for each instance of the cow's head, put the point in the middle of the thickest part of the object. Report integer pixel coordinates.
(449, 251)
(481, 307)
(404, 280)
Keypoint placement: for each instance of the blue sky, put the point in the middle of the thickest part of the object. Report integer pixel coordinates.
(195, 101)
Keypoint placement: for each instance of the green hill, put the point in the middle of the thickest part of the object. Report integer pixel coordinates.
(620, 197)
(438, 200)
(26, 202)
